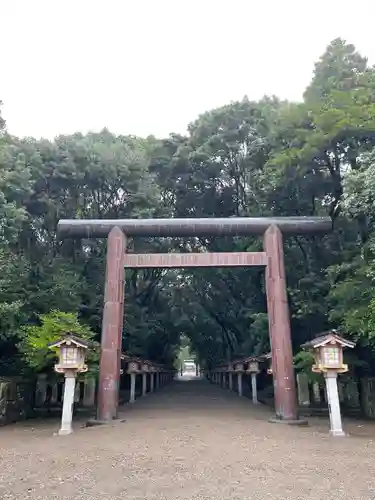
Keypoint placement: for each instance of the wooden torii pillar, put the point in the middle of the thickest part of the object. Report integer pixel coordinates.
(272, 259)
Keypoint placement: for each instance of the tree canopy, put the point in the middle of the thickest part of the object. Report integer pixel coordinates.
(248, 158)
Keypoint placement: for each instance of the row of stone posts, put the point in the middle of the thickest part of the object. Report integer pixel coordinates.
(231, 375)
(153, 376)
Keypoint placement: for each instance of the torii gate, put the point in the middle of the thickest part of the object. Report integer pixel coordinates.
(272, 258)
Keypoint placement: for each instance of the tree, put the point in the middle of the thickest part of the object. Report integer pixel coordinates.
(2, 121)
(247, 158)
(52, 327)
(353, 280)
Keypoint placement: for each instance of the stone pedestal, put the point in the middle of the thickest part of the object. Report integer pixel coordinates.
(67, 411)
(333, 405)
(303, 389)
(132, 388)
(254, 389)
(144, 384)
(239, 384)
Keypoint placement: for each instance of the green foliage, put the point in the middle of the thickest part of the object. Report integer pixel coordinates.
(52, 327)
(303, 362)
(353, 280)
(2, 121)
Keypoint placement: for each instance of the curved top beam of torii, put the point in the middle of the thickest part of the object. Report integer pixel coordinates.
(231, 226)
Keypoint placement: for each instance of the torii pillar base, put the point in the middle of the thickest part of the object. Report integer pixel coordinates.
(299, 422)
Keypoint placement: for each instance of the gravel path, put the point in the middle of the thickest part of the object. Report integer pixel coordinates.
(193, 441)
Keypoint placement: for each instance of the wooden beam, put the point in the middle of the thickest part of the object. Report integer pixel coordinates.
(232, 226)
(178, 260)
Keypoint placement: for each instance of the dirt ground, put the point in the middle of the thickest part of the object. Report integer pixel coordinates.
(191, 440)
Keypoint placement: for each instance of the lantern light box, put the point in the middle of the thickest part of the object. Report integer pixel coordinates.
(328, 352)
(133, 367)
(253, 366)
(72, 354)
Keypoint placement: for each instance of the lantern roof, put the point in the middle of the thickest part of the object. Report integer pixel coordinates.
(69, 339)
(251, 359)
(268, 355)
(331, 337)
(134, 359)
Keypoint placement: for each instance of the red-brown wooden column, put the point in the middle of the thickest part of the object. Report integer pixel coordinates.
(279, 327)
(113, 310)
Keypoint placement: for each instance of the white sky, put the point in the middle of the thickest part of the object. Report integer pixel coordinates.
(151, 66)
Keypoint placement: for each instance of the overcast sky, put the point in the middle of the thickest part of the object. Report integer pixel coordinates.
(151, 66)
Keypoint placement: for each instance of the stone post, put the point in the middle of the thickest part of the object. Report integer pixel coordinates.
(231, 381)
(316, 392)
(113, 311)
(333, 404)
(89, 392)
(254, 388)
(132, 388)
(67, 411)
(41, 390)
(303, 389)
(54, 394)
(279, 327)
(152, 382)
(144, 384)
(239, 384)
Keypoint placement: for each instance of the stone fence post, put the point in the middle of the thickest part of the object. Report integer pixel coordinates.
(89, 392)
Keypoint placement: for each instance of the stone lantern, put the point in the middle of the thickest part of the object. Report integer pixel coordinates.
(253, 369)
(132, 370)
(71, 351)
(328, 353)
(239, 369)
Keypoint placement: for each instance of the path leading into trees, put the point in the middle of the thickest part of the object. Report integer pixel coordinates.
(191, 440)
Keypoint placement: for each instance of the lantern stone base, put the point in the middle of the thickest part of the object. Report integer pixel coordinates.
(300, 421)
(65, 432)
(337, 433)
(93, 422)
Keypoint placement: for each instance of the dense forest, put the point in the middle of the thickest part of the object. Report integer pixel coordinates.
(248, 158)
